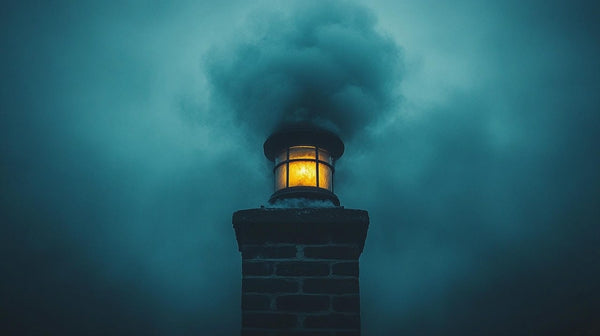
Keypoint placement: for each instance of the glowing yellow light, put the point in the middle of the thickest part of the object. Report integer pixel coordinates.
(324, 176)
(298, 167)
(303, 152)
(303, 173)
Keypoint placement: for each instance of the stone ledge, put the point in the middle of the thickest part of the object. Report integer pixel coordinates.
(301, 226)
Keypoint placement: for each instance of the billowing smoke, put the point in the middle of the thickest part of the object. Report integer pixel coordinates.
(324, 62)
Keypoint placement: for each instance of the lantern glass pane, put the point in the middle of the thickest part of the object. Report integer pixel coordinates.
(280, 177)
(303, 173)
(324, 156)
(325, 177)
(302, 152)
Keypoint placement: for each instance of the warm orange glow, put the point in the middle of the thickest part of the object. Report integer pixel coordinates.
(324, 177)
(301, 163)
(303, 152)
(303, 173)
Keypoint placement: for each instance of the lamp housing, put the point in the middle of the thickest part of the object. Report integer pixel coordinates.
(304, 156)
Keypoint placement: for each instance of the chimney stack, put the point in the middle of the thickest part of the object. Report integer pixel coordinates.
(300, 264)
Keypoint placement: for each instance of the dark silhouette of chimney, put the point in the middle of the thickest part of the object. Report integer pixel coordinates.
(300, 256)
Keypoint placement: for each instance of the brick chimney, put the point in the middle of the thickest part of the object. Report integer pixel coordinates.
(300, 270)
(300, 257)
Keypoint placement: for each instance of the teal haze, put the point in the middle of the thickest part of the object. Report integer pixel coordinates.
(131, 131)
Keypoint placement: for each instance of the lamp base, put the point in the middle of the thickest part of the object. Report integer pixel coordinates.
(310, 193)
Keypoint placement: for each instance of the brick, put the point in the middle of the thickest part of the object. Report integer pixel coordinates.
(268, 252)
(255, 302)
(257, 267)
(303, 268)
(269, 320)
(332, 252)
(345, 268)
(346, 303)
(340, 321)
(268, 285)
(331, 286)
(303, 303)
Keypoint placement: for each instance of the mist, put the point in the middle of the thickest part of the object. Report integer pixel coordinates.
(130, 132)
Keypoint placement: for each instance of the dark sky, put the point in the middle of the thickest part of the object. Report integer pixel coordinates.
(130, 132)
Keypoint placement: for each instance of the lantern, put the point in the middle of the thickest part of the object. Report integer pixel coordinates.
(304, 157)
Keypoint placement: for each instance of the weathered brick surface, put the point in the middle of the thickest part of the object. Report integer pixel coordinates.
(303, 268)
(346, 303)
(345, 268)
(332, 252)
(303, 303)
(339, 321)
(258, 267)
(300, 271)
(268, 252)
(267, 285)
(269, 320)
(331, 286)
(255, 302)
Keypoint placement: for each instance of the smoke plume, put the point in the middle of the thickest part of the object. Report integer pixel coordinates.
(324, 62)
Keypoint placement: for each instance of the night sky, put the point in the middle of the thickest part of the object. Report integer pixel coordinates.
(131, 131)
